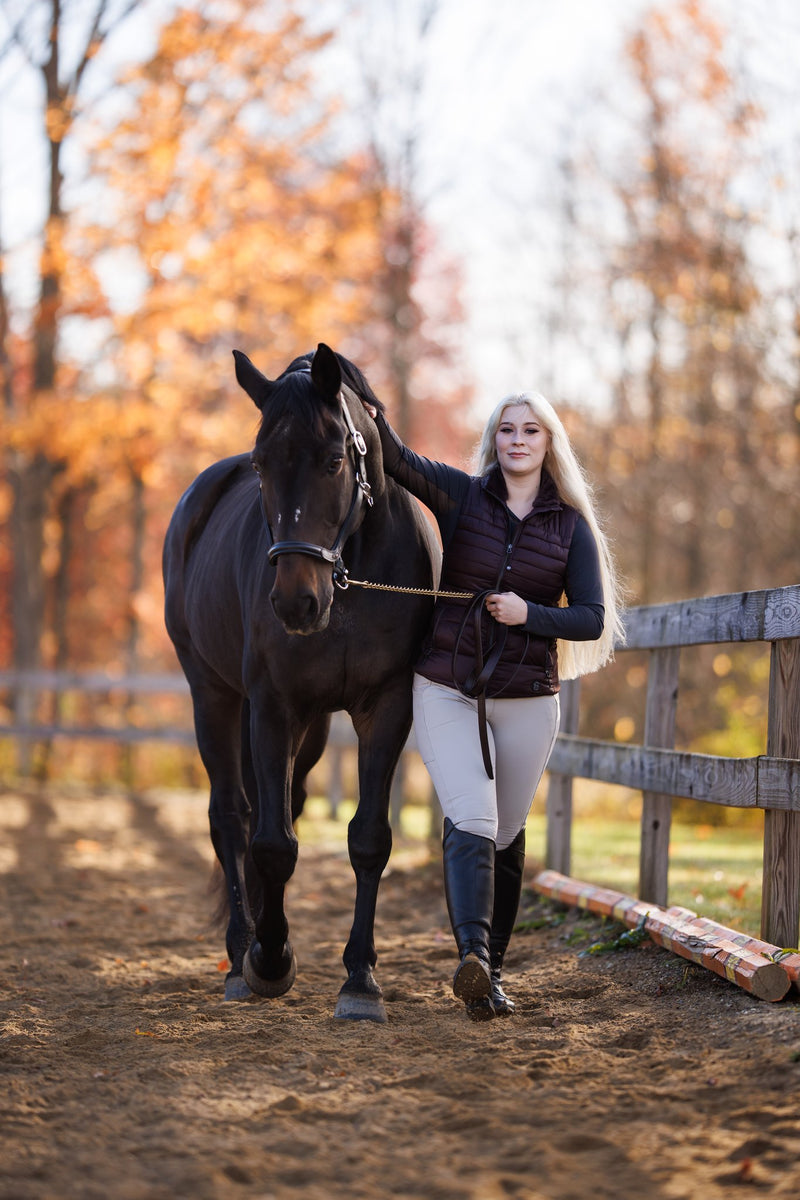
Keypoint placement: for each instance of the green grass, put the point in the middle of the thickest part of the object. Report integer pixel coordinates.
(714, 870)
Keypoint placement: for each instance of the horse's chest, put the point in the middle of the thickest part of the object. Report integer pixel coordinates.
(329, 670)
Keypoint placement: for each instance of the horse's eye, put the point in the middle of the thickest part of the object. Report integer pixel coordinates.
(335, 465)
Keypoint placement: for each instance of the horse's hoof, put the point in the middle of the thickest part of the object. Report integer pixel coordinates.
(360, 1006)
(267, 987)
(236, 988)
(360, 998)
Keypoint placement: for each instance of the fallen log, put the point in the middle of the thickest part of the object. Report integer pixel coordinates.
(788, 959)
(605, 901)
(675, 930)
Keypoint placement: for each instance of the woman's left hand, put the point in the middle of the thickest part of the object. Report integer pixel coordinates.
(507, 608)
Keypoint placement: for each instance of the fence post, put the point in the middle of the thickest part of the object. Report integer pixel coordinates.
(780, 888)
(659, 731)
(558, 853)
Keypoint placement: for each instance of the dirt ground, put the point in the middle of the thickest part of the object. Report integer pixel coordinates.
(125, 1075)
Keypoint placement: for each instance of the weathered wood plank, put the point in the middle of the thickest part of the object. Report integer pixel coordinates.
(780, 891)
(779, 784)
(730, 781)
(558, 850)
(770, 615)
(100, 733)
(659, 731)
(94, 681)
(782, 614)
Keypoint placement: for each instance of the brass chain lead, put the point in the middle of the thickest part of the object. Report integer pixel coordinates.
(389, 587)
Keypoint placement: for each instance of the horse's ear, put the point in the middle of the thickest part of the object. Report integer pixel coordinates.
(250, 378)
(326, 372)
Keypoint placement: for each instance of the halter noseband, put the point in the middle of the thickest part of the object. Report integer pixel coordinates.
(362, 492)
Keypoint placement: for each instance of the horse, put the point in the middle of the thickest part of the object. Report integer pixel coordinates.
(273, 640)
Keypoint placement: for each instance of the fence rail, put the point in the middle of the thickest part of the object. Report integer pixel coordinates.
(770, 782)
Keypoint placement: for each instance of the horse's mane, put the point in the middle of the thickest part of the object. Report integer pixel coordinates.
(356, 380)
(352, 376)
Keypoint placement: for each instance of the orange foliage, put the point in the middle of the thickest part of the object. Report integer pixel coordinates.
(219, 215)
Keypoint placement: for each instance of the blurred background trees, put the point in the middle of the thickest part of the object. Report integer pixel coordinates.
(267, 176)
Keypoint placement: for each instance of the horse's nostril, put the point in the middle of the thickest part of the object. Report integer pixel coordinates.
(299, 612)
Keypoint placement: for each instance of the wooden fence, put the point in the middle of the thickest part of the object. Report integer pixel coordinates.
(58, 686)
(770, 781)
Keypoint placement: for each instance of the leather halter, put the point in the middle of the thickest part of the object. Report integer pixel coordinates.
(362, 493)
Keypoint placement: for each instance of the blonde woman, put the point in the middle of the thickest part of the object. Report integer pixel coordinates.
(520, 537)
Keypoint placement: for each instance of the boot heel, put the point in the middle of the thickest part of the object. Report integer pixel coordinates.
(472, 980)
(503, 1005)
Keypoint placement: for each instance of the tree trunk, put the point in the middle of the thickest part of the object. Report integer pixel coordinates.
(138, 529)
(30, 485)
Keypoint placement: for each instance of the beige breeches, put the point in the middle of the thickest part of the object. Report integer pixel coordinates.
(521, 736)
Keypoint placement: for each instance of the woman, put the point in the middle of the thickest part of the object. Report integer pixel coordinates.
(520, 538)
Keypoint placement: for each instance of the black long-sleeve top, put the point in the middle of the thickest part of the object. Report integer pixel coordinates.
(443, 489)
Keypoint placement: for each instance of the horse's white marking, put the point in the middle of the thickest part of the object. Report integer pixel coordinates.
(297, 512)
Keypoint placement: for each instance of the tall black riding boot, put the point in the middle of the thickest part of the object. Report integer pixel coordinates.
(469, 887)
(508, 867)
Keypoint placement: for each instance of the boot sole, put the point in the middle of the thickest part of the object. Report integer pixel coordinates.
(471, 981)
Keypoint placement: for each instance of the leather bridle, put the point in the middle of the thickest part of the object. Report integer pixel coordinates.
(362, 494)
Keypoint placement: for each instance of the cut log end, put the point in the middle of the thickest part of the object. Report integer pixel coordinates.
(770, 982)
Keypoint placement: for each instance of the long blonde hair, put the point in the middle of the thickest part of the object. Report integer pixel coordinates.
(575, 658)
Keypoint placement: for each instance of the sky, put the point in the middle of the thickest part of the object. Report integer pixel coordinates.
(505, 85)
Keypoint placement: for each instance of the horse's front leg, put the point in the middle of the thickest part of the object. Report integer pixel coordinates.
(269, 965)
(382, 731)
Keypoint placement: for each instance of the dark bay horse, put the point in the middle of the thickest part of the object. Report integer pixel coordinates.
(271, 647)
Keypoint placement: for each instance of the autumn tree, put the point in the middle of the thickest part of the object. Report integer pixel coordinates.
(695, 454)
(56, 43)
(245, 226)
(685, 252)
(697, 444)
(217, 211)
(249, 228)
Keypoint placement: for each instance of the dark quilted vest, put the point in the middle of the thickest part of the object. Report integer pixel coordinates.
(481, 555)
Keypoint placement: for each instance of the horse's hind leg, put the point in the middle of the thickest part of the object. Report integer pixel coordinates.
(217, 717)
(309, 754)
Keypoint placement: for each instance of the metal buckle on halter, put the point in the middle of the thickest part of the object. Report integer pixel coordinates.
(340, 576)
(366, 489)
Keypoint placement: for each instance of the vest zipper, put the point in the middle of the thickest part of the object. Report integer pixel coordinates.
(511, 541)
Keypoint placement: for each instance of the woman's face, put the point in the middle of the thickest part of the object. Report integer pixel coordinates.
(521, 442)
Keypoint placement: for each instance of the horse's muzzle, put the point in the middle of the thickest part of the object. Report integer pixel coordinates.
(302, 596)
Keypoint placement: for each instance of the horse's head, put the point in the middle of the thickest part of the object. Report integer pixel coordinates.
(311, 455)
